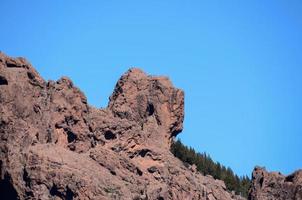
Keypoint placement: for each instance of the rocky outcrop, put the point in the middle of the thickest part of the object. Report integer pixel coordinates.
(54, 145)
(275, 186)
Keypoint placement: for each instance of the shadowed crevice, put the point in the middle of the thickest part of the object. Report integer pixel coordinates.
(3, 80)
(7, 190)
(68, 194)
(109, 135)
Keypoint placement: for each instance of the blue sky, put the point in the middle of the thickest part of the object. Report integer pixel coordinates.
(239, 63)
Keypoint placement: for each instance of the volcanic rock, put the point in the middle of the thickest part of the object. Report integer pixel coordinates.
(53, 145)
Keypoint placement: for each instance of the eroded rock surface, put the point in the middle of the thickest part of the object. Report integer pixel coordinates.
(275, 186)
(55, 146)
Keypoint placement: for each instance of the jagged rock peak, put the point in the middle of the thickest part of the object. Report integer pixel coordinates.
(149, 101)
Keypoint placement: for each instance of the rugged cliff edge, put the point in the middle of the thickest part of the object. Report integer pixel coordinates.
(55, 146)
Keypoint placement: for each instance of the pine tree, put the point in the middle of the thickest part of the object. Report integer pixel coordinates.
(207, 166)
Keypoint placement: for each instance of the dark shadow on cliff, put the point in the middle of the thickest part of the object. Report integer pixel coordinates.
(7, 190)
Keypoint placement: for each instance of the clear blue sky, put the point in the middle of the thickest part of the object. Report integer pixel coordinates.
(239, 63)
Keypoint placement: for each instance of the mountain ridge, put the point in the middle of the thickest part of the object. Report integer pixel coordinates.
(55, 146)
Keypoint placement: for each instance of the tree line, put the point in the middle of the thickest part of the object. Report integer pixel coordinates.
(205, 165)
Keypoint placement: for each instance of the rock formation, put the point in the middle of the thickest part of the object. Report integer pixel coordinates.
(275, 186)
(55, 146)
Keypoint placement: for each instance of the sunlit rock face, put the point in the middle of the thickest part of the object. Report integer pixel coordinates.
(55, 146)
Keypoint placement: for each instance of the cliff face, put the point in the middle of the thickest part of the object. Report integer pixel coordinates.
(275, 186)
(55, 146)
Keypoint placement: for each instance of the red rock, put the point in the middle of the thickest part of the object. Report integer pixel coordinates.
(55, 146)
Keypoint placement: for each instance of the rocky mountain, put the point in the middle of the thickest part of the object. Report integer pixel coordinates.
(275, 186)
(55, 146)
